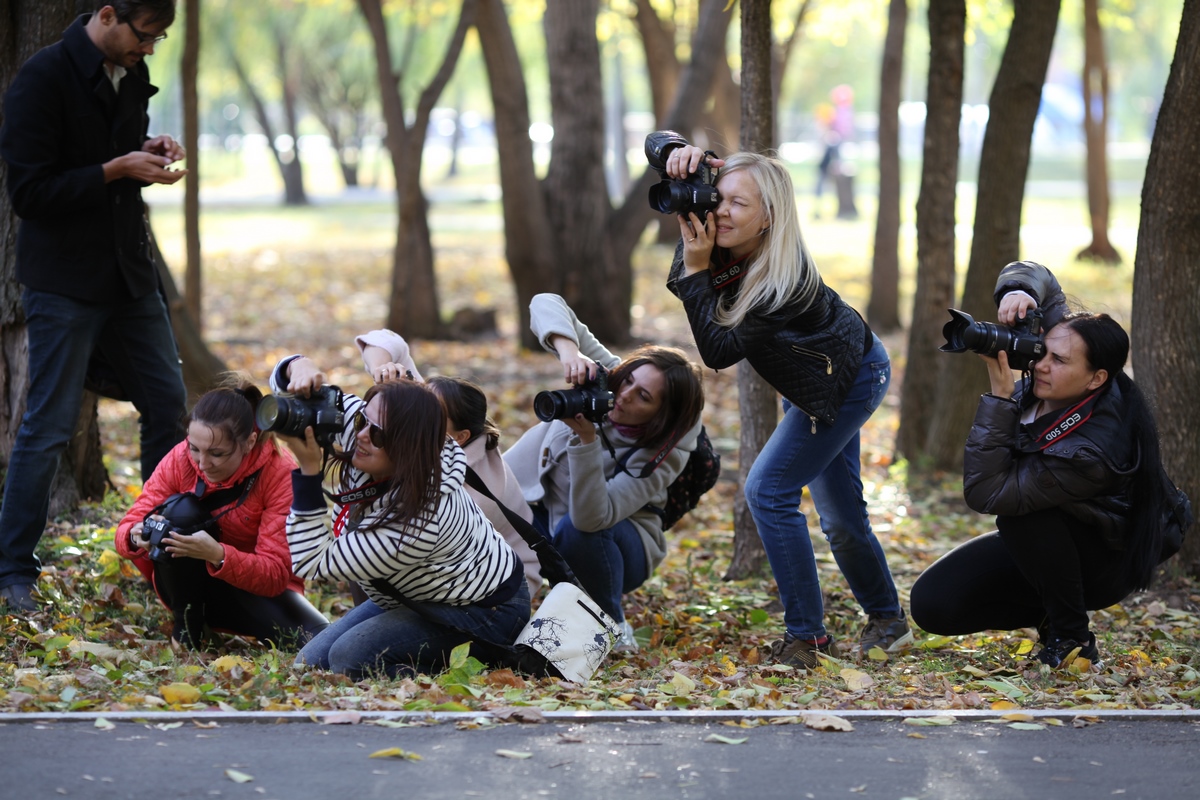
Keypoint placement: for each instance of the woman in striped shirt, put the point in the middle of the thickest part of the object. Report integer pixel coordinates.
(437, 574)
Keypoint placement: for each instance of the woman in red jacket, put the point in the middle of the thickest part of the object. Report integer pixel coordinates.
(236, 574)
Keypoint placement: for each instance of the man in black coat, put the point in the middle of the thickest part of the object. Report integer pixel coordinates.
(75, 139)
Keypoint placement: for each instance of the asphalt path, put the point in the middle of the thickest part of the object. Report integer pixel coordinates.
(882, 757)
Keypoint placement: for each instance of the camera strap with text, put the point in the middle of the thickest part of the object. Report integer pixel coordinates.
(1069, 421)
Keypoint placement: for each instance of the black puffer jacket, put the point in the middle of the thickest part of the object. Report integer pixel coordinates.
(811, 357)
(1087, 473)
(1038, 282)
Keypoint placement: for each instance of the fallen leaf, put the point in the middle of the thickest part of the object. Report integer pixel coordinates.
(1027, 726)
(526, 714)
(513, 754)
(395, 752)
(230, 663)
(238, 777)
(342, 718)
(179, 693)
(1001, 705)
(104, 724)
(857, 680)
(827, 722)
(719, 739)
(1017, 717)
(930, 721)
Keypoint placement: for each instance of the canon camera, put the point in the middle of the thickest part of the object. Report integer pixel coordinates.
(592, 399)
(322, 411)
(1024, 342)
(181, 513)
(697, 192)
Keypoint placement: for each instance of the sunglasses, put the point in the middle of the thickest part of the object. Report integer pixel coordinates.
(376, 432)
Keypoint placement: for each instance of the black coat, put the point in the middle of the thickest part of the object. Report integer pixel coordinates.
(810, 356)
(78, 236)
(1087, 473)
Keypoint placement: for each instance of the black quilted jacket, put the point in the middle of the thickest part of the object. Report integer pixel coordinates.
(1086, 473)
(811, 357)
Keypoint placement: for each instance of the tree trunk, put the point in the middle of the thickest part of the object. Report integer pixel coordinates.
(883, 311)
(1002, 170)
(413, 308)
(1095, 128)
(288, 164)
(576, 195)
(1166, 275)
(29, 26)
(528, 241)
(190, 68)
(293, 169)
(758, 404)
(935, 226)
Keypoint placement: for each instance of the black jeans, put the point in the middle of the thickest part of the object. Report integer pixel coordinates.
(197, 598)
(1044, 569)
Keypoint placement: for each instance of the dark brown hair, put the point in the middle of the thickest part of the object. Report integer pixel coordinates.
(414, 432)
(683, 391)
(230, 408)
(155, 11)
(466, 406)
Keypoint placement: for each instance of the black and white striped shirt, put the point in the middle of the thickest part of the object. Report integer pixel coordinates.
(450, 554)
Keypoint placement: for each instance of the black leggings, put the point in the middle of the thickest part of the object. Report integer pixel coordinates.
(1043, 569)
(195, 598)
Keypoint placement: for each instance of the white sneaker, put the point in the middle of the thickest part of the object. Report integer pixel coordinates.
(626, 643)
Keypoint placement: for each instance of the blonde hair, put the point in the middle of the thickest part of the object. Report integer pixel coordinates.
(780, 271)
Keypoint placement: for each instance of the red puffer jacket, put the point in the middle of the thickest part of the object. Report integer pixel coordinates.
(257, 558)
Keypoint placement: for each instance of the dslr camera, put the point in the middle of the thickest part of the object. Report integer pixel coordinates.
(323, 411)
(592, 399)
(1024, 343)
(697, 192)
(181, 513)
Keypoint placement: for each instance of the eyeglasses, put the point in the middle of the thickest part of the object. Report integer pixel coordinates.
(143, 37)
(375, 433)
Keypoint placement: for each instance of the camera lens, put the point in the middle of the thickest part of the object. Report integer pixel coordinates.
(555, 405)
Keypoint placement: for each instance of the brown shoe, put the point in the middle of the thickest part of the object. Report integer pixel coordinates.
(799, 653)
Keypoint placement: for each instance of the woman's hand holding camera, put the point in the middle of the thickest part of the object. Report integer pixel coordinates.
(699, 235)
(1000, 374)
(578, 369)
(1013, 308)
(307, 451)
(304, 377)
(194, 545)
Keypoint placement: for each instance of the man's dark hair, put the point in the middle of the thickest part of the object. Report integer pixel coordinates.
(153, 11)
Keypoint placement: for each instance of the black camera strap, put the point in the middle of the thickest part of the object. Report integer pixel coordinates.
(648, 468)
(352, 501)
(214, 500)
(729, 274)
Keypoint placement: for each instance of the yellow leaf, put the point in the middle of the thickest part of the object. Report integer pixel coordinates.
(682, 684)
(1026, 646)
(728, 668)
(238, 777)
(917, 736)
(877, 653)
(180, 693)
(395, 752)
(857, 680)
(1140, 656)
(930, 721)
(230, 663)
(976, 671)
(1017, 717)
(1003, 705)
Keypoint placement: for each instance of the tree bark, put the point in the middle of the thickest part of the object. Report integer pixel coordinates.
(293, 179)
(528, 241)
(935, 226)
(1095, 128)
(28, 26)
(1003, 165)
(758, 403)
(1166, 275)
(190, 68)
(413, 308)
(883, 311)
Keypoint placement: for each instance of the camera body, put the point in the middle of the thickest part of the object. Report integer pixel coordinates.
(153, 531)
(592, 399)
(697, 192)
(323, 411)
(182, 513)
(1024, 343)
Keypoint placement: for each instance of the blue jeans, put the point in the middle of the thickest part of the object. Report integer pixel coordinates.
(608, 562)
(414, 638)
(136, 338)
(827, 462)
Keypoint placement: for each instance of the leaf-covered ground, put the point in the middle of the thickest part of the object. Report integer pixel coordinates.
(102, 644)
